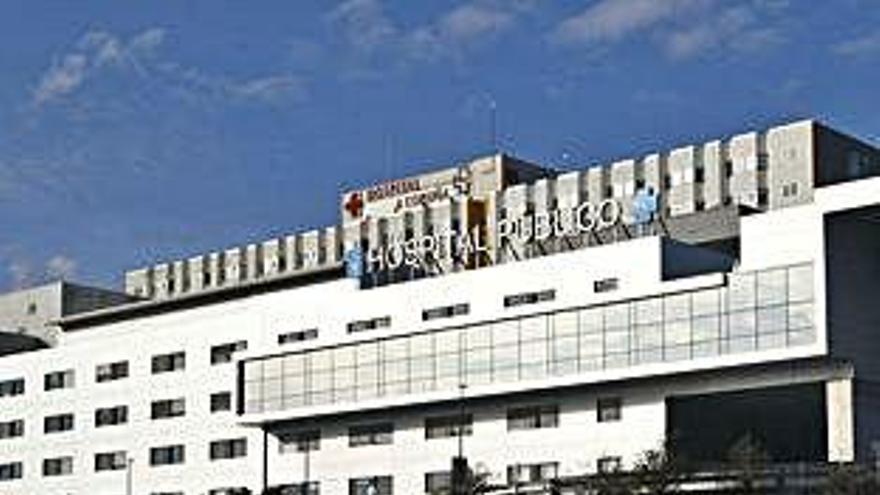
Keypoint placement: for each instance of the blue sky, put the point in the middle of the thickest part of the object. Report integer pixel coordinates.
(132, 132)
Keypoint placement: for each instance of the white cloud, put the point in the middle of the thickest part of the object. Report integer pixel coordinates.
(682, 28)
(93, 51)
(613, 20)
(61, 268)
(19, 273)
(364, 23)
(270, 88)
(62, 78)
(98, 51)
(739, 29)
(468, 22)
(862, 46)
(368, 29)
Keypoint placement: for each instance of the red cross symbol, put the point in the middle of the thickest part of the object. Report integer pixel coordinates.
(354, 205)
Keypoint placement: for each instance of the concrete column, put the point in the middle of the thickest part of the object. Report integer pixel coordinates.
(839, 410)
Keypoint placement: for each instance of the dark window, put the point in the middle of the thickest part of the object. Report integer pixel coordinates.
(728, 167)
(640, 184)
(32, 308)
(228, 449)
(300, 441)
(299, 336)
(9, 388)
(667, 181)
(606, 285)
(532, 473)
(108, 416)
(11, 471)
(438, 482)
(58, 379)
(110, 461)
(221, 401)
(371, 485)
(762, 196)
(609, 191)
(111, 371)
(449, 426)
(170, 454)
(533, 417)
(163, 363)
(58, 423)
(763, 161)
(168, 408)
(371, 324)
(446, 311)
(223, 353)
(370, 434)
(58, 466)
(12, 429)
(608, 409)
(699, 205)
(240, 490)
(608, 464)
(699, 175)
(529, 298)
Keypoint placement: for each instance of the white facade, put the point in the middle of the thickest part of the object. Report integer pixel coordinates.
(630, 323)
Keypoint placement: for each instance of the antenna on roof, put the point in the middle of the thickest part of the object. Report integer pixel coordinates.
(493, 122)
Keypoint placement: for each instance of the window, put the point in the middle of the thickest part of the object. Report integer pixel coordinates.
(237, 490)
(529, 298)
(58, 423)
(763, 161)
(790, 189)
(728, 167)
(221, 401)
(370, 434)
(438, 482)
(10, 388)
(12, 429)
(699, 175)
(301, 441)
(449, 426)
(108, 416)
(58, 466)
(169, 362)
(606, 285)
(371, 485)
(58, 379)
(533, 417)
(762, 196)
(446, 311)
(532, 473)
(371, 324)
(608, 409)
(110, 461)
(168, 408)
(299, 336)
(228, 449)
(170, 454)
(608, 464)
(111, 371)
(223, 353)
(32, 308)
(11, 471)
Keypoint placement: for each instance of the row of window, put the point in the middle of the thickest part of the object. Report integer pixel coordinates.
(106, 372)
(754, 311)
(111, 461)
(608, 409)
(115, 415)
